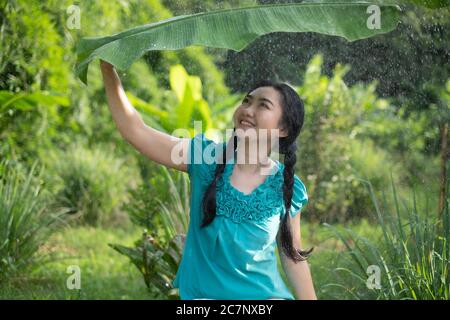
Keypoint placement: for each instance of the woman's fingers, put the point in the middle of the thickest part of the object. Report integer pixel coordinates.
(105, 64)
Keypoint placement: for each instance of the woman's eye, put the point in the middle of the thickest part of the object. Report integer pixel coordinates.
(265, 105)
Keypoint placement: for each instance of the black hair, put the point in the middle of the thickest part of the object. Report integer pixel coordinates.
(292, 120)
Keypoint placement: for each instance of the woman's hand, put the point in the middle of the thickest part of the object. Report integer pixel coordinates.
(105, 64)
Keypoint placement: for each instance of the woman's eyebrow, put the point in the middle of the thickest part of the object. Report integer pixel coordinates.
(262, 99)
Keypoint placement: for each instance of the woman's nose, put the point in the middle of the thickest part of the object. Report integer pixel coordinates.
(249, 111)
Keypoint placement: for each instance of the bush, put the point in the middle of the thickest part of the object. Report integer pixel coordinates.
(26, 220)
(163, 196)
(92, 183)
(366, 161)
(336, 146)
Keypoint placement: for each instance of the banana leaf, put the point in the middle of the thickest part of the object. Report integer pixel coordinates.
(233, 29)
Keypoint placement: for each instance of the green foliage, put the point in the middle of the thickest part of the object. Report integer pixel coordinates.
(183, 105)
(157, 264)
(26, 220)
(410, 64)
(180, 113)
(194, 6)
(412, 253)
(105, 274)
(333, 153)
(349, 133)
(27, 101)
(213, 29)
(160, 205)
(197, 61)
(434, 4)
(34, 65)
(425, 3)
(25, 112)
(91, 183)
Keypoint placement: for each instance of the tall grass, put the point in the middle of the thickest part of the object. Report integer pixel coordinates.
(412, 253)
(26, 220)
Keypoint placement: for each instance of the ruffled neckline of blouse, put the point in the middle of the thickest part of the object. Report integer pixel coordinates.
(263, 202)
(261, 188)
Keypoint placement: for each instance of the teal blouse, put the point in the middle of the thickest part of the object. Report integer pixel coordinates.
(233, 257)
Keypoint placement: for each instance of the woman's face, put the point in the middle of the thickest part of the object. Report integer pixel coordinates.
(260, 109)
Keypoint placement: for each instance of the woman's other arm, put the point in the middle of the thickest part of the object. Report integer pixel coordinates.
(298, 273)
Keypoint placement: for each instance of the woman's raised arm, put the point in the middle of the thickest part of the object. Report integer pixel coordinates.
(158, 146)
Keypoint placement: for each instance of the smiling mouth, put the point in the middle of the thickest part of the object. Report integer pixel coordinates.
(246, 123)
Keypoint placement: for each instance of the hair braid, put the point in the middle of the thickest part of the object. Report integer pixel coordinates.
(290, 159)
(209, 198)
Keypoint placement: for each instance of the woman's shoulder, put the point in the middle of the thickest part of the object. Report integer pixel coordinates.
(297, 179)
(299, 192)
(202, 157)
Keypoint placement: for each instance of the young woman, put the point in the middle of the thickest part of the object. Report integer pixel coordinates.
(238, 213)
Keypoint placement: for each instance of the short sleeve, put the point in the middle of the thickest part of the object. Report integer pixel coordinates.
(299, 196)
(201, 157)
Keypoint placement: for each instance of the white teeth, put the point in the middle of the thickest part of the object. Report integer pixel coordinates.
(246, 123)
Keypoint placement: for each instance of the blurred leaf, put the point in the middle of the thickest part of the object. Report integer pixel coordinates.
(27, 101)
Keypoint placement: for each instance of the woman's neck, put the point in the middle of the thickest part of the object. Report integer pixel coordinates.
(252, 157)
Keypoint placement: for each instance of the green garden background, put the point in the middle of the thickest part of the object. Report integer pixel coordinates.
(373, 152)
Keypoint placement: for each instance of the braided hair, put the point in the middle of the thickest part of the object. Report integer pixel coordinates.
(292, 120)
